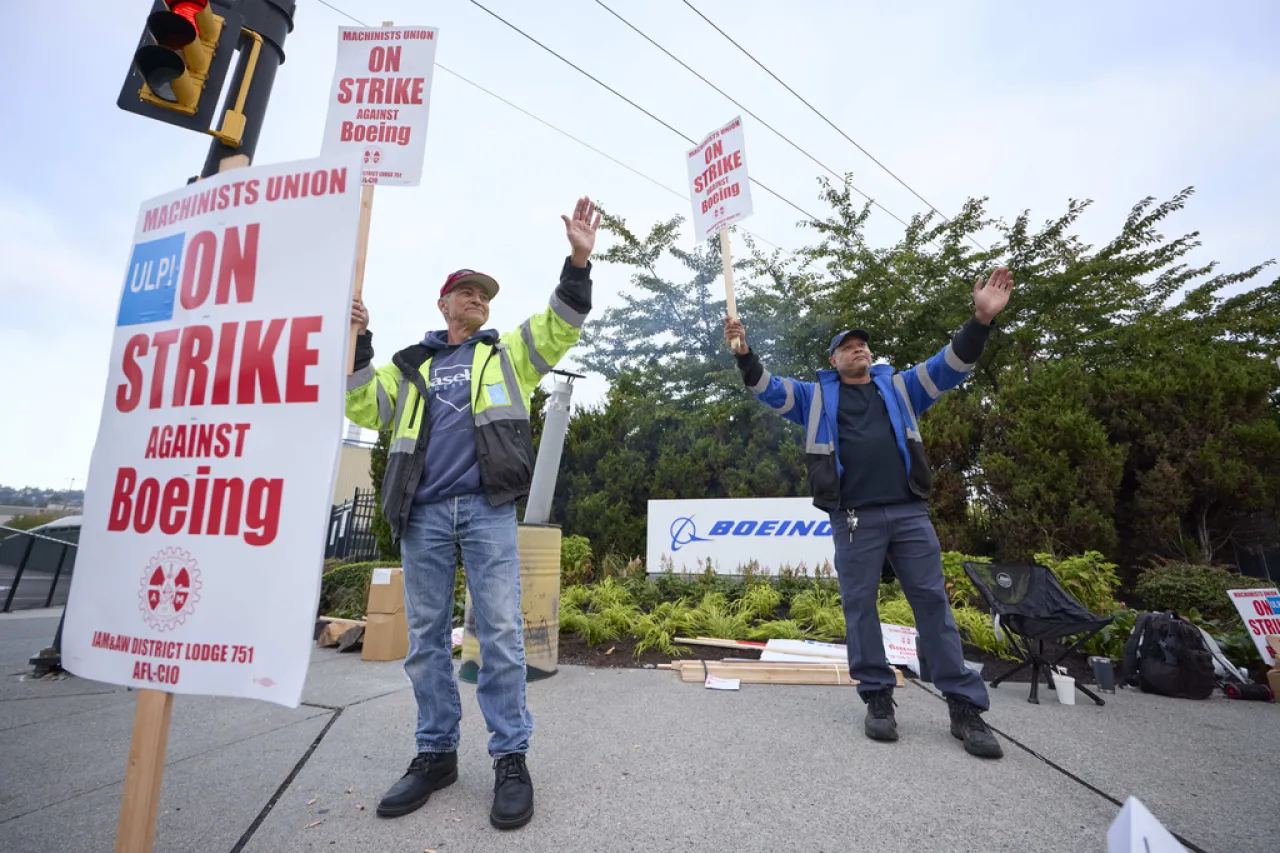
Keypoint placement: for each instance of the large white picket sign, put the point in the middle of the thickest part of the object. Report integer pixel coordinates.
(209, 487)
(768, 533)
(718, 182)
(1259, 609)
(380, 100)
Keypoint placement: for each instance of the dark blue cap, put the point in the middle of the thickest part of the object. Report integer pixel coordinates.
(839, 339)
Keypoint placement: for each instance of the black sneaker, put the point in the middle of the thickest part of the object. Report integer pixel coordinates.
(879, 723)
(429, 771)
(967, 725)
(512, 792)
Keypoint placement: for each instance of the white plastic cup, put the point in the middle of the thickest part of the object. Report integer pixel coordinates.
(1066, 689)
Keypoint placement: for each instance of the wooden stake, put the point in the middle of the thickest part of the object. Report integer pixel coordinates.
(731, 301)
(140, 804)
(362, 252)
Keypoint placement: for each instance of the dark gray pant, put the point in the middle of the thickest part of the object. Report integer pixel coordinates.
(906, 534)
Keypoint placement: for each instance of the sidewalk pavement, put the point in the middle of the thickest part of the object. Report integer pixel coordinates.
(628, 760)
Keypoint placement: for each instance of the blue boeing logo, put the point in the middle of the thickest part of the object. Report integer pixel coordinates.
(685, 532)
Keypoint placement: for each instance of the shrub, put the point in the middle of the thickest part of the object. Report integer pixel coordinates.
(1089, 577)
(959, 588)
(896, 611)
(1188, 586)
(715, 617)
(344, 592)
(976, 628)
(1109, 642)
(575, 560)
(759, 600)
(781, 629)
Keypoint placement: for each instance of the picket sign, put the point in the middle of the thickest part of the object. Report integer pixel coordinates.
(721, 194)
(160, 605)
(140, 801)
(392, 140)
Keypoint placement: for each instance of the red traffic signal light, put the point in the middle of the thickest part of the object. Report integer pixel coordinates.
(175, 67)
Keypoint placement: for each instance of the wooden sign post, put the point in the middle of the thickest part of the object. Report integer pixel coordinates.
(140, 804)
(731, 302)
(362, 253)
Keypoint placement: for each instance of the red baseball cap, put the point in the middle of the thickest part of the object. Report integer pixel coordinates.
(486, 282)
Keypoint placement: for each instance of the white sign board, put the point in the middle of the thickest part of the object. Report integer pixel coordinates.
(1136, 830)
(718, 182)
(1260, 611)
(379, 101)
(769, 533)
(900, 644)
(209, 487)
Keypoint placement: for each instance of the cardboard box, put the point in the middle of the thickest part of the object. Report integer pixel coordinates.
(386, 591)
(386, 636)
(386, 630)
(1273, 675)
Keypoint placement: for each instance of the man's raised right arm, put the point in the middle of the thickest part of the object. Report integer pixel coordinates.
(371, 394)
(787, 397)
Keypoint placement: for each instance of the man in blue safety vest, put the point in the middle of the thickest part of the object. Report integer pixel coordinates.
(867, 468)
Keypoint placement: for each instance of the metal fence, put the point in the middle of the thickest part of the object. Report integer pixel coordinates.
(351, 528)
(35, 570)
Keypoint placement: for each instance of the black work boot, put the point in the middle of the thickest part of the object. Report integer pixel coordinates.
(429, 771)
(879, 724)
(512, 792)
(967, 725)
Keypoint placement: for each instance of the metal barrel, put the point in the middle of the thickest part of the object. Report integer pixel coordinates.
(539, 547)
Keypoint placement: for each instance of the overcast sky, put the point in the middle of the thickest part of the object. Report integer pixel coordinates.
(1028, 104)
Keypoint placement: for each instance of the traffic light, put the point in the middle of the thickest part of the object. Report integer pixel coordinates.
(181, 62)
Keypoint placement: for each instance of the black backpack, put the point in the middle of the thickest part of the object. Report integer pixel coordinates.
(1165, 654)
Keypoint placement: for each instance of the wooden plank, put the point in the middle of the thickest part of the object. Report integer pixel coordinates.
(362, 254)
(715, 642)
(756, 672)
(141, 801)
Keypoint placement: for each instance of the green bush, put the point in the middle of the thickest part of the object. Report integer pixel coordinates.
(575, 560)
(715, 617)
(959, 588)
(34, 519)
(759, 600)
(1189, 586)
(780, 629)
(344, 592)
(1089, 577)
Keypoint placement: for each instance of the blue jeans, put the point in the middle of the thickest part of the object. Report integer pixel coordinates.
(905, 533)
(487, 536)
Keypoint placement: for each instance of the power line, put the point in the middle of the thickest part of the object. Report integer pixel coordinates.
(817, 112)
(737, 104)
(548, 124)
(606, 86)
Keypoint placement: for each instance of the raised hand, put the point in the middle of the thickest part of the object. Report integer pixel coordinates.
(735, 335)
(359, 315)
(581, 231)
(991, 298)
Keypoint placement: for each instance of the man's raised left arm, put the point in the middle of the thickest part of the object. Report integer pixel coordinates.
(945, 370)
(542, 340)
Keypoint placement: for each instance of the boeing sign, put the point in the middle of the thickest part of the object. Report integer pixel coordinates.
(767, 533)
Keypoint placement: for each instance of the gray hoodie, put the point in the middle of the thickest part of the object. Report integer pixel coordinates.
(451, 466)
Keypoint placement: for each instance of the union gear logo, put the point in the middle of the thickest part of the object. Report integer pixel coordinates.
(372, 156)
(170, 589)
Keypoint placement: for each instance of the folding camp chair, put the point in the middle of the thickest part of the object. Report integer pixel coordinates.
(1029, 604)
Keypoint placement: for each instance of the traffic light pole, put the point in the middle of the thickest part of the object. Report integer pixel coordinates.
(273, 21)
